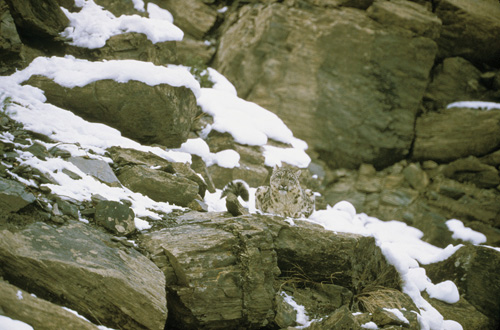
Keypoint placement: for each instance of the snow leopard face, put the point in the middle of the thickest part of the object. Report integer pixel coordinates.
(285, 180)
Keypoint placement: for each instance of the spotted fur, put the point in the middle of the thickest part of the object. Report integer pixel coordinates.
(284, 196)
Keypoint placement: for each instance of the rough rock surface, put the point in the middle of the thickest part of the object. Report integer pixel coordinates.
(474, 269)
(159, 185)
(149, 114)
(21, 305)
(13, 195)
(76, 266)
(96, 168)
(455, 133)
(220, 271)
(470, 30)
(38, 19)
(329, 68)
(116, 217)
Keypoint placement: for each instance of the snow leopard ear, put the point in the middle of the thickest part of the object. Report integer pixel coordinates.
(297, 174)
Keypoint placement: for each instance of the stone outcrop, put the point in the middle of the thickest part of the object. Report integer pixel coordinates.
(38, 19)
(13, 195)
(470, 30)
(99, 169)
(41, 314)
(194, 17)
(76, 266)
(158, 185)
(164, 116)
(474, 269)
(116, 217)
(329, 68)
(220, 271)
(455, 133)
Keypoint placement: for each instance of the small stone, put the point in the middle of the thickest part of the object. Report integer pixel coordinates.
(416, 177)
(13, 195)
(71, 174)
(116, 217)
(38, 150)
(367, 169)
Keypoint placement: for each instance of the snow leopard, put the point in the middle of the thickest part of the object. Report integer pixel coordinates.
(284, 196)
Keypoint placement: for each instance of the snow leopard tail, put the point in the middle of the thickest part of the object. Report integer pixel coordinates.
(232, 190)
(237, 188)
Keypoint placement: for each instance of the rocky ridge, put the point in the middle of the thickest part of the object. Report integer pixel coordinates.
(449, 170)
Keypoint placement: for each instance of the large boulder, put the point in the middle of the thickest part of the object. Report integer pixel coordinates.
(20, 305)
(10, 43)
(456, 79)
(77, 266)
(470, 30)
(221, 271)
(149, 114)
(456, 133)
(35, 18)
(474, 269)
(327, 74)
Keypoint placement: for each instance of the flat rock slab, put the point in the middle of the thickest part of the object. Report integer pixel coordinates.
(220, 271)
(40, 314)
(77, 266)
(13, 195)
(99, 169)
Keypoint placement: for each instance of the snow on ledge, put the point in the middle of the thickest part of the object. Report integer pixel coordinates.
(474, 105)
(92, 26)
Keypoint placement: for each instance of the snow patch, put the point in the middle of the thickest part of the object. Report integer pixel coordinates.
(464, 233)
(92, 26)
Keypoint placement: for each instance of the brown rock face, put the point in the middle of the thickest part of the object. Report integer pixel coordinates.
(327, 74)
(470, 30)
(149, 114)
(75, 266)
(455, 133)
(38, 18)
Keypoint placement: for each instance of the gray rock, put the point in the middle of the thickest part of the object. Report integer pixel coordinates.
(123, 157)
(10, 43)
(220, 272)
(38, 150)
(67, 208)
(456, 133)
(165, 120)
(286, 315)
(191, 16)
(75, 266)
(399, 197)
(41, 314)
(269, 50)
(474, 269)
(470, 30)
(38, 19)
(129, 46)
(99, 169)
(159, 185)
(342, 318)
(417, 178)
(116, 217)
(13, 195)
(471, 169)
(407, 15)
(456, 79)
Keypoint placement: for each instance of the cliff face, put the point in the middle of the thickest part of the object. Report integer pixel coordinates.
(115, 140)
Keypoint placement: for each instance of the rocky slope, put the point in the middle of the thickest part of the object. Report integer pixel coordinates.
(118, 231)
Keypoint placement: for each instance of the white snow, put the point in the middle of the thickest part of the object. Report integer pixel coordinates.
(19, 295)
(198, 146)
(6, 323)
(474, 105)
(398, 314)
(302, 319)
(403, 248)
(464, 233)
(369, 325)
(71, 72)
(92, 26)
(159, 13)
